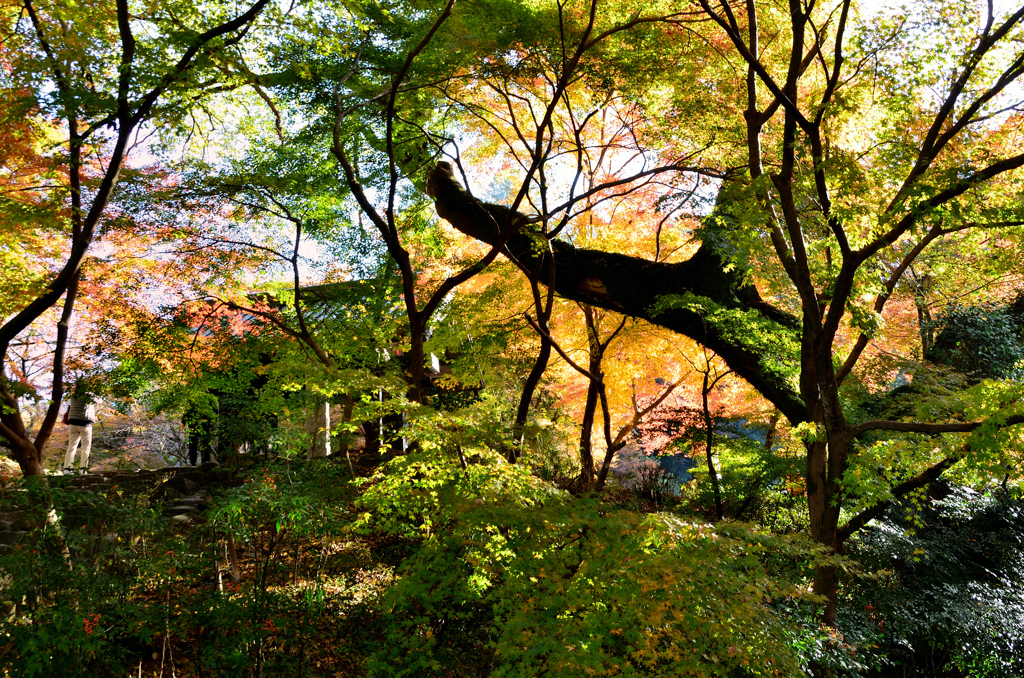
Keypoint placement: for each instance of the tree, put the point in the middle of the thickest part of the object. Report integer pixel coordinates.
(827, 223)
(710, 378)
(592, 476)
(100, 78)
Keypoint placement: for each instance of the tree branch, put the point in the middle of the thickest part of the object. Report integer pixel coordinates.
(920, 480)
(633, 286)
(565, 356)
(925, 427)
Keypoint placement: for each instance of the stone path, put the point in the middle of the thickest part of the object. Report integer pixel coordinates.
(181, 491)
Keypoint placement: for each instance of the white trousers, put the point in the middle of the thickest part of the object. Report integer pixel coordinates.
(78, 434)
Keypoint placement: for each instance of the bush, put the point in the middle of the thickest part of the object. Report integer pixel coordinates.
(513, 578)
(70, 583)
(948, 597)
(983, 342)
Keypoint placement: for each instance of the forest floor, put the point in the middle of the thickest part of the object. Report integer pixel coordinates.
(123, 585)
(304, 596)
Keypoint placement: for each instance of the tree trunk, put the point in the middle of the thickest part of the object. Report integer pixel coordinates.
(586, 479)
(825, 462)
(709, 441)
(609, 456)
(543, 305)
(925, 324)
(826, 584)
(529, 387)
(28, 457)
(417, 390)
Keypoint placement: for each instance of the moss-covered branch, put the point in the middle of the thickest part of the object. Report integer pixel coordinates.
(698, 298)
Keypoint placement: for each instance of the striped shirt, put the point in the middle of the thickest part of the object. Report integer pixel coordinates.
(81, 412)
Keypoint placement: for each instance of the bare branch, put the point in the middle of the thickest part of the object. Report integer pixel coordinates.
(565, 356)
(925, 427)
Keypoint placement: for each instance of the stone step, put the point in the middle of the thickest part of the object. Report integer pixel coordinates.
(9, 538)
(178, 492)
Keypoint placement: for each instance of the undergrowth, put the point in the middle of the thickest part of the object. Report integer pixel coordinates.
(430, 564)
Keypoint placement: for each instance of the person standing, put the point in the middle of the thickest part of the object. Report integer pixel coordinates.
(80, 417)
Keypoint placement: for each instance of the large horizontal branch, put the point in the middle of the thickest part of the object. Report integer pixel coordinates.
(925, 427)
(922, 479)
(633, 286)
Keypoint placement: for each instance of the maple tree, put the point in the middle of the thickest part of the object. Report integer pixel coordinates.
(388, 102)
(827, 224)
(94, 75)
